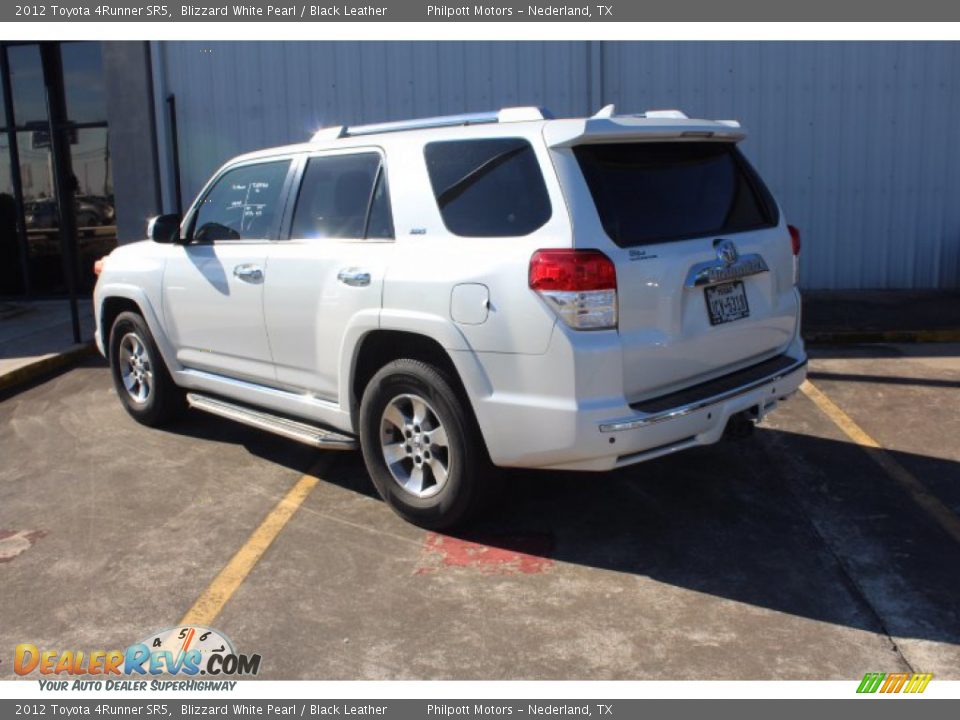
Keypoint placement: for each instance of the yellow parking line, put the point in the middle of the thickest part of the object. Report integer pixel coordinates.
(224, 585)
(922, 496)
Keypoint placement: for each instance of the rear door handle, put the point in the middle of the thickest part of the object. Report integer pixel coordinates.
(248, 273)
(354, 277)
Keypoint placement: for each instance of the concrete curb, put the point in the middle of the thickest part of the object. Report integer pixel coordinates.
(852, 337)
(45, 365)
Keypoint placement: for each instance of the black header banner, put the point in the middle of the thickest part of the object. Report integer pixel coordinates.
(486, 11)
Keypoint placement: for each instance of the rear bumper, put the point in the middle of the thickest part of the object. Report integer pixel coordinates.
(645, 436)
(763, 376)
(589, 427)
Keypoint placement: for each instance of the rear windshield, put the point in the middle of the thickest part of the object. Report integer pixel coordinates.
(658, 191)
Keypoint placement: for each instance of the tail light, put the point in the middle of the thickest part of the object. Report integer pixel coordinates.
(794, 238)
(580, 286)
(795, 244)
(98, 267)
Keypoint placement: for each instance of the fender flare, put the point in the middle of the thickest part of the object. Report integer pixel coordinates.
(436, 328)
(137, 295)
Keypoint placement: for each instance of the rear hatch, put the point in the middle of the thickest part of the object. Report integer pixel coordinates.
(705, 267)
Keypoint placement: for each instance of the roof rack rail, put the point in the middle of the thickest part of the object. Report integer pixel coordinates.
(512, 114)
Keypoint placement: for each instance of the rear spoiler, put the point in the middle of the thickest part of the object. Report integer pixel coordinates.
(663, 125)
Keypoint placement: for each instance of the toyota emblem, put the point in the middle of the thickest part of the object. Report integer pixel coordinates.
(727, 252)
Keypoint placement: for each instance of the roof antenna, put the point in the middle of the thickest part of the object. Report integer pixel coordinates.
(605, 112)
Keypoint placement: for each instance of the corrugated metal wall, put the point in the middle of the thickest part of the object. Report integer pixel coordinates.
(857, 140)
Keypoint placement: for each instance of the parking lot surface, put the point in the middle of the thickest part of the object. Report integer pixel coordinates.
(802, 552)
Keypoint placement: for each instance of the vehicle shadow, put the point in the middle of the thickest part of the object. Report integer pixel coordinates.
(266, 446)
(784, 521)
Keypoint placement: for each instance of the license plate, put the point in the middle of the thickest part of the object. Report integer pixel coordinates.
(727, 302)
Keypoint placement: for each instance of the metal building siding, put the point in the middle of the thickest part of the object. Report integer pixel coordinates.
(857, 140)
(236, 97)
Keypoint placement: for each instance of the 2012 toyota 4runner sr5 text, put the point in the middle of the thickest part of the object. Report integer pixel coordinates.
(457, 293)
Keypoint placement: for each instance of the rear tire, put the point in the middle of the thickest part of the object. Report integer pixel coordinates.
(422, 446)
(140, 376)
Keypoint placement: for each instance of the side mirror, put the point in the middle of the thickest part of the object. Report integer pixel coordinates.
(164, 228)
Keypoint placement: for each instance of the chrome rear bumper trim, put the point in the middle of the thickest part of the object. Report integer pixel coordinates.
(680, 411)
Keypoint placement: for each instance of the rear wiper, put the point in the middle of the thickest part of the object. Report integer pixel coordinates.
(457, 188)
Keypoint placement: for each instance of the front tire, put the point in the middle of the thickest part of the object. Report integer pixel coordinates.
(140, 376)
(422, 446)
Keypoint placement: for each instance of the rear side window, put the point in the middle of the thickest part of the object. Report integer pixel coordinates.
(488, 188)
(658, 191)
(244, 204)
(343, 196)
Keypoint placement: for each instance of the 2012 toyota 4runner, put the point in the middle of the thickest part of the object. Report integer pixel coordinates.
(463, 292)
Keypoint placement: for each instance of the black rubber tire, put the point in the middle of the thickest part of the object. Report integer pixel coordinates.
(165, 400)
(471, 475)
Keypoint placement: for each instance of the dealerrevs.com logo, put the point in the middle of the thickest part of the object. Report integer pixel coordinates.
(895, 682)
(185, 651)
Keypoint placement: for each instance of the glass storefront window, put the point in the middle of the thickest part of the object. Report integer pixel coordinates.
(3, 112)
(83, 82)
(93, 207)
(93, 200)
(11, 282)
(41, 216)
(26, 80)
(90, 186)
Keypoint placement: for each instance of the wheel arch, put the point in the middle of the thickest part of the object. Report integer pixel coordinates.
(118, 299)
(379, 347)
(110, 309)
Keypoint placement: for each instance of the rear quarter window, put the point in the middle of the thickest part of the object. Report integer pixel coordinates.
(488, 188)
(648, 192)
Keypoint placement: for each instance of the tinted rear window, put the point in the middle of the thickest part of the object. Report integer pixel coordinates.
(658, 191)
(488, 188)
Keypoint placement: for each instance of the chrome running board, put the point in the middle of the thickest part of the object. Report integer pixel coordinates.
(292, 429)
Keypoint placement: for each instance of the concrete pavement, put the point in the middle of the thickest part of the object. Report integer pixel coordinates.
(791, 555)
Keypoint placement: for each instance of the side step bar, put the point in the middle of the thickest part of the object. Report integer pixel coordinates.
(292, 429)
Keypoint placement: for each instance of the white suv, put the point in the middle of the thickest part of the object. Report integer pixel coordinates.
(463, 292)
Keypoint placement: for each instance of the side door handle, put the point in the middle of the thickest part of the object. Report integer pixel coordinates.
(354, 277)
(248, 273)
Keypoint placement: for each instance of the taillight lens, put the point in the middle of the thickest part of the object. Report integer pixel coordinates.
(794, 239)
(98, 266)
(795, 244)
(580, 286)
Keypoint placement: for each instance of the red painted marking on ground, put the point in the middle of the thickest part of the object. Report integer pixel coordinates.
(494, 554)
(15, 542)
